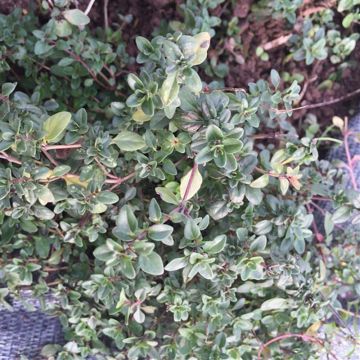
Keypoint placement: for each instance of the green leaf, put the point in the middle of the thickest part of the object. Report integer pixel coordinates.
(103, 253)
(61, 170)
(42, 246)
(328, 223)
(176, 264)
(114, 246)
(215, 246)
(66, 61)
(144, 247)
(218, 210)
(76, 17)
(148, 107)
(144, 45)
(204, 156)
(129, 141)
(55, 126)
(169, 167)
(139, 316)
(260, 182)
(98, 208)
(7, 88)
(44, 195)
(50, 350)
(151, 264)
(55, 257)
(43, 213)
(275, 304)
(159, 232)
(192, 230)
(154, 211)
(299, 245)
(29, 226)
(170, 89)
(284, 185)
(134, 100)
(232, 146)
(255, 196)
(263, 227)
(127, 267)
(242, 324)
(167, 195)
(259, 244)
(193, 82)
(107, 197)
(190, 184)
(41, 48)
(62, 28)
(205, 271)
(122, 299)
(348, 19)
(127, 224)
(344, 5)
(251, 268)
(275, 78)
(213, 133)
(127, 219)
(134, 82)
(341, 215)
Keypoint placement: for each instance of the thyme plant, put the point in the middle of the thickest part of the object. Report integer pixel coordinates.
(174, 223)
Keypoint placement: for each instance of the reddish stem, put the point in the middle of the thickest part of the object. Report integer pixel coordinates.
(9, 158)
(90, 71)
(50, 158)
(303, 337)
(319, 237)
(319, 198)
(118, 181)
(102, 167)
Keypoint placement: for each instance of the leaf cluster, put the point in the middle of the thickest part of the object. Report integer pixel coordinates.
(171, 222)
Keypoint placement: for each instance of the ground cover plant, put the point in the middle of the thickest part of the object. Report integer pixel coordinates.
(173, 211)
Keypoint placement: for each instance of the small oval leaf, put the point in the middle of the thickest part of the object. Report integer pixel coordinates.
(129, 141)
(76, 17)
(55, 126)
(260, 182)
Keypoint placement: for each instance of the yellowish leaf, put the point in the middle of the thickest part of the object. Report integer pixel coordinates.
(201, 48)
(54, 127)
(74, 180)
(294, 181)
(338, 122)
(169, 89)
(313, 329)
(190, 184)
(140, 117)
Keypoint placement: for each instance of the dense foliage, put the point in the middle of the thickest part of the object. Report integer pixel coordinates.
(170, 218)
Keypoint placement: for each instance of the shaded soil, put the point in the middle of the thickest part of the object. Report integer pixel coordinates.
(6, 6)
(243, 63)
